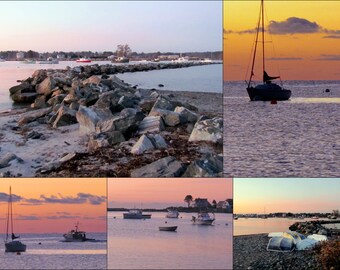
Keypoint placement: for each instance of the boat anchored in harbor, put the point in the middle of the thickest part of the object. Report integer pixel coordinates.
(14, 245)
(83, 60)
(203, 218)
(172, 213)
(75, 235)
(268, 91)
(136, 214)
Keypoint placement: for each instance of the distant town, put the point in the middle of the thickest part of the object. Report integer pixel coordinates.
(331, 215)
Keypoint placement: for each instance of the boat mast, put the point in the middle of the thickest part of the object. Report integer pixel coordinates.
(263, 64)
(254, 55)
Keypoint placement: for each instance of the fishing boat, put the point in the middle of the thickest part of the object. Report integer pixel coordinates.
(136, 214)
(122, 59)
(168, 228)
(172, 213)
(268, 90)
(75, 235)
(83, 60)
(203, 218)
(11, 244)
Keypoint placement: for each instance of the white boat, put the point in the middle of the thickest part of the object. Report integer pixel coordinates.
(14, 245)
(136, 214)
(83, 60)
(49, 60)
(172, 213)
(122, 59)
(268, 91)
(203, 218)
(75, 235)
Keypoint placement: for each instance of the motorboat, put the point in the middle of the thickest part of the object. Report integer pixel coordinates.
(50, 60)
(172, 213)
(12, 245)
(75, 235)
(203, 218)
(168, 228)
(121, 60)
(29, 61)
(136, 214)
(83, 60)
(267, 91)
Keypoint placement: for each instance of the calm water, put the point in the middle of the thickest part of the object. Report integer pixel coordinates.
(53, 254)
(201, 79)
(137, 244)
(244, 226)
(296, 138)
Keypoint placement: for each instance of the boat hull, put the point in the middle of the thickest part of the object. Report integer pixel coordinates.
(269, 94)
(129, 216)
(204, 222)
(15, 246)
(168, 229)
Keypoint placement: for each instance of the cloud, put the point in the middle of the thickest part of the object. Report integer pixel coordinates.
(63, 217)
(81, 198)
(293, 25)
(284, 58)
(328, 57)
(30, 217)
(4, 197)
(332, 36)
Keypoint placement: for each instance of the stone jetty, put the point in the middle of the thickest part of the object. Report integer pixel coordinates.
(122, 130)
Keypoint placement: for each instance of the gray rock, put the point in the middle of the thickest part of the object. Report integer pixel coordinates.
(142, 145)
(170, 118)
(187, 115)
(35, 135)
(56, 99)
(87, 119)
(163, 104)
(65, 117)
(67, 157)
(151, 124)
(46, 86)
(209, 166)
(7, 158)
(33, 115)
(165, 167)
(23, 93)
(93, 79)
(97, 141)
(209, 130)
(39, 102)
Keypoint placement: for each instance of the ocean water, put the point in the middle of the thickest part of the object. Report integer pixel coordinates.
(245, 226)
(138, 244)
(201, 78)
(54, 254)
(295, 138)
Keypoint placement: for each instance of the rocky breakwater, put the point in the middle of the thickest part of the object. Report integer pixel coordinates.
(313, 227)
(127, 131)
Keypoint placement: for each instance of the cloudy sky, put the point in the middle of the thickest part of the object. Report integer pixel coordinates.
(303, 39)
(161, 192)
(296, 195)
(54, 205)
(147, 26)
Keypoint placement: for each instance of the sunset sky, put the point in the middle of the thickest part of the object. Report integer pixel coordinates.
(296, 195)
(305, 36)
(54, 205)
(164, 192)
(147, 26)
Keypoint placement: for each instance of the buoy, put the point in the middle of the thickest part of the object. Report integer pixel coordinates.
(18, 253)
(327, 90)
(39, 243)
(273, 102)
(166, 222)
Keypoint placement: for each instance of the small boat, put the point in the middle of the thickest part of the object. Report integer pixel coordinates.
(49, 60)
(281, 244)
(121, 60)
(28, 61)
(136, 214)
(14, 245)
(235, 217)
(75, 235)
(268, 91)
(203, 218)
(172, 213)
(315, 217)
(83, 60)
(168, 228)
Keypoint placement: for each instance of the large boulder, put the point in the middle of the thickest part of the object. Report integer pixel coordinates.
(6, 159)
(164, 167)
(87, 119)
(186, 114)
(209, 130)
(23, 93)
(33, 115)
(170, 118)
(151, 124)
(209, 166)
(93, 79)
(163, 103)
(65, 117)
(46, 86)
(148, 142)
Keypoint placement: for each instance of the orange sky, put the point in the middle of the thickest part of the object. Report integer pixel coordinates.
(82, 200)
(303, 56)
(163, 192)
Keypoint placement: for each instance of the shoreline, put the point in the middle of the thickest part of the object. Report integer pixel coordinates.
(86, 125)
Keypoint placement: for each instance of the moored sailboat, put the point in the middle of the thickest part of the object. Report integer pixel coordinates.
(267, 91)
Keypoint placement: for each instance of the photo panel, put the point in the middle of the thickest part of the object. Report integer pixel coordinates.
(170, 223)
(54, 223)
(286, 223)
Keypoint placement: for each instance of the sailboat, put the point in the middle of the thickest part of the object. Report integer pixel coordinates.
(11, 244)
(268, 91)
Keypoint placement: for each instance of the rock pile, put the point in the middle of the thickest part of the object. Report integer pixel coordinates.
(140, 122)
(312, 227)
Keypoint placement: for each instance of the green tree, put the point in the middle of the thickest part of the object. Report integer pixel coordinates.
(188, 199)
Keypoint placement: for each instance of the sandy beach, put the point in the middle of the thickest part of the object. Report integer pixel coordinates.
(36, 148)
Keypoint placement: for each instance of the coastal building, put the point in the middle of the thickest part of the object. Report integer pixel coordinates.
(224, 205)
(20, 55)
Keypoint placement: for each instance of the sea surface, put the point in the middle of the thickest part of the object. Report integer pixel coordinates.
(138, 244)
(245, 226)
(206, 78)
(295, 138)
(54, 254)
